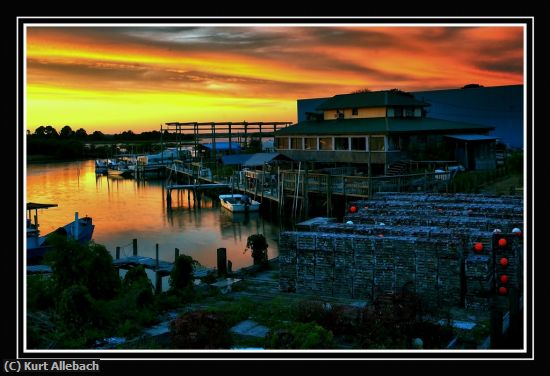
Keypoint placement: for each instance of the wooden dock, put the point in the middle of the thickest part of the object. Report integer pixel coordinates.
(163, 267)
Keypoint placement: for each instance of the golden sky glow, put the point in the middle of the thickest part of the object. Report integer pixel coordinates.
(118, 78)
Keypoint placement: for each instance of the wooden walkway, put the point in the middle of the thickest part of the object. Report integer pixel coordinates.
(163, 268)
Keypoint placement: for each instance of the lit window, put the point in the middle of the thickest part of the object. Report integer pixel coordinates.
(325, 143)
(376, 143)
(310, 143)
(296, 143)
(282, 142)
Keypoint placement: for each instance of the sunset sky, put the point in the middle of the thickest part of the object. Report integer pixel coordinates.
(118, 78)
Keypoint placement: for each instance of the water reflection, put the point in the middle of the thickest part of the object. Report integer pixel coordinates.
(123, 209)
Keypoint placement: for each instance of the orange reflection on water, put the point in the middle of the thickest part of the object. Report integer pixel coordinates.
(124, 209)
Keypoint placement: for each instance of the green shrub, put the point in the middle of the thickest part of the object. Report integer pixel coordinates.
(40, 292)
(75, 307)
(181, 275)
(300, 336)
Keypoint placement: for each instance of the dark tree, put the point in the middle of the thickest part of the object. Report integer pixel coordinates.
(98, 136)
(40, 131)
(81, 133)
(66, 132)
(258, 245)
(75, 307)
(50, 132)
(182, 273)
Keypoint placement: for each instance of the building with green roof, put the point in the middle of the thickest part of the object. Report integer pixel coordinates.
(378, 129)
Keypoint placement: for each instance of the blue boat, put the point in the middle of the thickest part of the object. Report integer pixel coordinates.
(81, 229)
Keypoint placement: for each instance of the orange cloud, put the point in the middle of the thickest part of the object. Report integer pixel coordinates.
(116, 78)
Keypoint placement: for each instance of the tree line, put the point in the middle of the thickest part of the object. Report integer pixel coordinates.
(71, 144)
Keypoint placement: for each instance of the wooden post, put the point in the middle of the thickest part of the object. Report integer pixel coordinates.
(157, 256)
(158, 283)
(176, 254)
(117, 252)
(305, 194)
(134, 247)
(222, 262)
(229, 267)
(169, 198)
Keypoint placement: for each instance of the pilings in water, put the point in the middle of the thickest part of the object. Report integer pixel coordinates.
(222, 262)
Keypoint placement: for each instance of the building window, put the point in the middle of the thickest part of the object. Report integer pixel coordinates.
(393, 143)
(398, 112)
(310, 143)
(354, 111)
(358, 143)
(341, 143)
(376, 143)
(282, 143)
(296, 143)
(409, 112)
(325, 143)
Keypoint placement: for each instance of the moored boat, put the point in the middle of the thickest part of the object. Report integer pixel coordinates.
(81, 229)
(239, 203)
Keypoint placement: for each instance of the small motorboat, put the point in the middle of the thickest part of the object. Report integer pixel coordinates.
(238, 203)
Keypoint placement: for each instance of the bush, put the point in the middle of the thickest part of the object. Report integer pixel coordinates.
(76, 307)
(300, 336)
(259, 245)
(200, 330)
(102, 279)
(181, 275)
(40, 293)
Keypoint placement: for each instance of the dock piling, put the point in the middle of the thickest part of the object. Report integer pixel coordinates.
(134, 247)
(176, 254)
(222, 262)
(157, 255)
(117, 252)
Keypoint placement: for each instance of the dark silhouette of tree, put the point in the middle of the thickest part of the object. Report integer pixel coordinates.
(66, 132)
(182, 273)
(40, 131)
(81, 133)
(98, 136)
(258, 245)
(50, 132)
(401, 92)
(359, 91)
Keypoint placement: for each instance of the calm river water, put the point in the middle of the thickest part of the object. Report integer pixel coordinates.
(124, 209)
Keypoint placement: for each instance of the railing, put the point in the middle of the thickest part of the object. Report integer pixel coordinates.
(364, 186)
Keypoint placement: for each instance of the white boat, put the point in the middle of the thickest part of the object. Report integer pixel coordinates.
(238, 203)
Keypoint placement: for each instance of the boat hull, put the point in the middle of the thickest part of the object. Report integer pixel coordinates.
(36, 248)
(235, 203)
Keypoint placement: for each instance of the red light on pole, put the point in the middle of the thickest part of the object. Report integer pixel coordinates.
(502, 242)
(502, 290)
(503, 261)
(353, 209)
(503, 279)
(478, 247)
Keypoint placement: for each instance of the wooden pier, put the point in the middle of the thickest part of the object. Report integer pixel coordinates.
(299, 187)
(160, 267)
